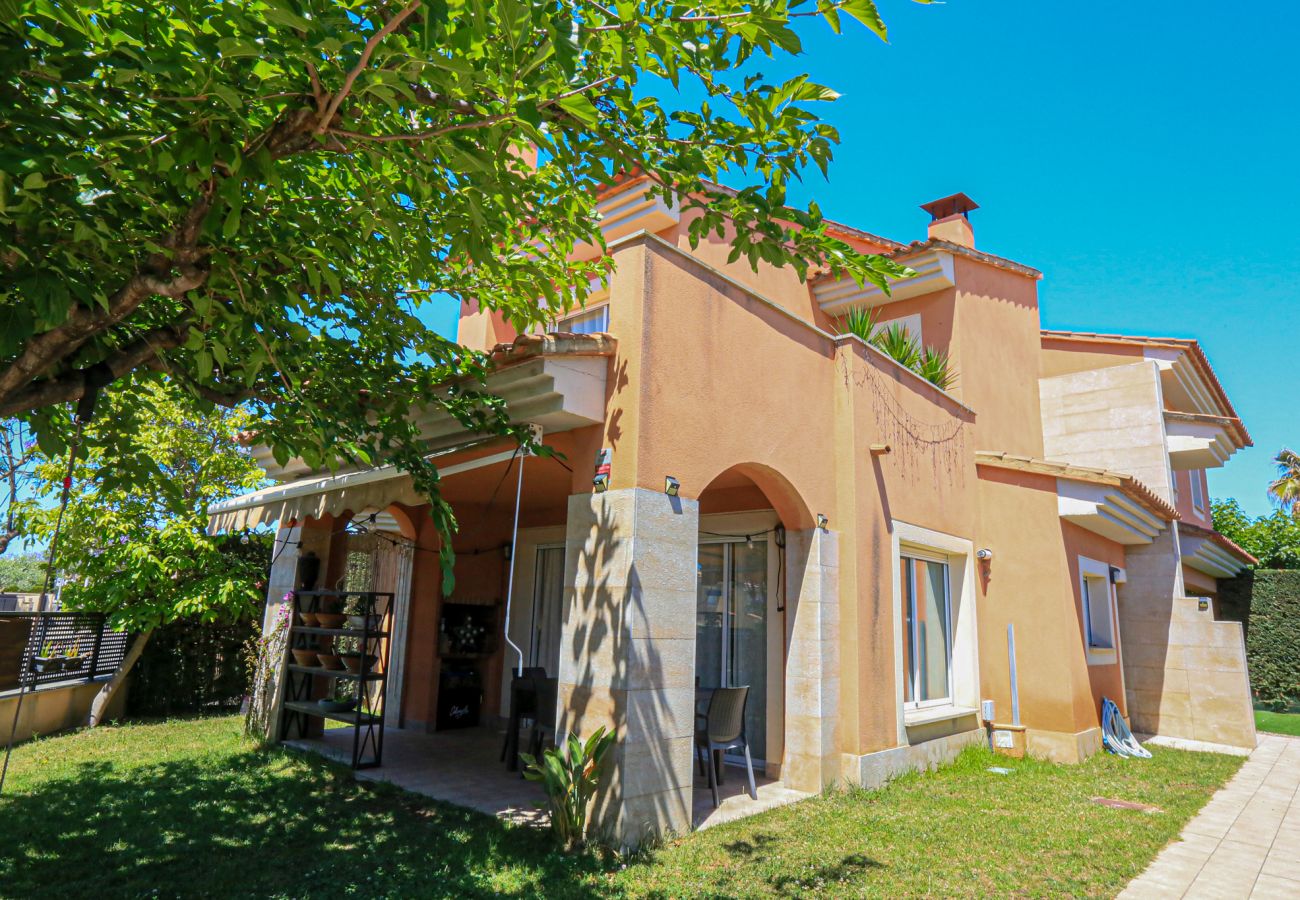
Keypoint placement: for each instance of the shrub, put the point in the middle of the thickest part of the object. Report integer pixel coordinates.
(570, 775)
(1267, 603)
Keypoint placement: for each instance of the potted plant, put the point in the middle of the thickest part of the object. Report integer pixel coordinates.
(341, 699)
(350, 652)
(361, 614)
(50, 659)
(73, 657)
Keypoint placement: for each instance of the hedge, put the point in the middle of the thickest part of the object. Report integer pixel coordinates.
(1267, 603)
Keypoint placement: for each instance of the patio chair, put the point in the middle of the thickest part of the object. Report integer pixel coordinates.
(523, 704)
(722, 728)
(543, 715)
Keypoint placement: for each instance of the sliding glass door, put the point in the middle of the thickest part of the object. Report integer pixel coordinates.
(731, 627)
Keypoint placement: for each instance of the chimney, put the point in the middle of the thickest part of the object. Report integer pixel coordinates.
(950, 219)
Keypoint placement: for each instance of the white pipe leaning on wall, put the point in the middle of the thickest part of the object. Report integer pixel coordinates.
(1015, 687)
(510, 582)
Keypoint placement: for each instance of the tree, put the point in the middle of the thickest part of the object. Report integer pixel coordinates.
(1273, 539)
(23, 574)
(133, 542)
(257, 198)
(1286, 488)
(16, 450)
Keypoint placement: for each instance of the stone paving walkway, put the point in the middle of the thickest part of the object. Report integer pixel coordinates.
(1245, 842)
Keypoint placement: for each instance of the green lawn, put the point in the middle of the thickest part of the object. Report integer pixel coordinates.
(189, 807)
(1278, 722)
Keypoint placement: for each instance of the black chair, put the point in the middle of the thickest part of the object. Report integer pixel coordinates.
(543, 714)
(523, 704)
(722, 728)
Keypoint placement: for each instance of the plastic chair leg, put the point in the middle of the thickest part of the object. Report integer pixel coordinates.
(713, 778)
(749, 769)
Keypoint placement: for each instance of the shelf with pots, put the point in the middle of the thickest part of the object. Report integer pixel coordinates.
(336, 644)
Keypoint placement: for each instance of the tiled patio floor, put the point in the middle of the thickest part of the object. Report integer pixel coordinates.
(1245, 842)
(463, 767)
(736, 802)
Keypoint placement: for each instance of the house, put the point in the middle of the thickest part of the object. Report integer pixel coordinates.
(748, 495)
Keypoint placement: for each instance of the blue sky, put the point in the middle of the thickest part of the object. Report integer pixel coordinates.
(1142, 155)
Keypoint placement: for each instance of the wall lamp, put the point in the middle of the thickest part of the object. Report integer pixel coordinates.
(985, 555)
(822, 521)
(671, 486)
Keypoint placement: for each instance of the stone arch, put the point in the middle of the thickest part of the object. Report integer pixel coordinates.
(780, 493)
(802, 674)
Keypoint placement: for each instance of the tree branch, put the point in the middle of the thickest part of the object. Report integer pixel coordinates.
(73, 385)
(45, 350)
(337, 100)
(418, 136)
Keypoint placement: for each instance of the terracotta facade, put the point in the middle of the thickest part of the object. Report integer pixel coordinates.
(1053, 452)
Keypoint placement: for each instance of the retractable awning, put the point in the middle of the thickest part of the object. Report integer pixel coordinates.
(553, 382)
(333, 494)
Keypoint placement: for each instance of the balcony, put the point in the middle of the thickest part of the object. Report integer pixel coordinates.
(1201, 441)
(1210, 552)
(934, 270)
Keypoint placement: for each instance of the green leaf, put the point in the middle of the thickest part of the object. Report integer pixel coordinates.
(230, 227)
(865, 11)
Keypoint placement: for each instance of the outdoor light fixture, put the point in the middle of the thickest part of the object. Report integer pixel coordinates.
(985, 555)
(1118, 575)
(671, 486)
(822, 521)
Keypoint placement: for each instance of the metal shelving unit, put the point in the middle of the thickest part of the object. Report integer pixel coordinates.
(302, 684)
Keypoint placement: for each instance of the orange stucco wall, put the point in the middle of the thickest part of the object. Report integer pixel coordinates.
(1186, 508)
(1063, 356)
(1032, 583)
(742, 372)
(1105, 680)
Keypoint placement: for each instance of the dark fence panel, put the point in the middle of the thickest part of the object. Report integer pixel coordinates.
(190, 666)
(48, 648)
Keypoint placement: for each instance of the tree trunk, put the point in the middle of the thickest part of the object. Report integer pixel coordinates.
(109, 690)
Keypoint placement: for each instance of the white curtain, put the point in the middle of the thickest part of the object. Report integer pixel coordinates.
(548, 606)
(391, 559)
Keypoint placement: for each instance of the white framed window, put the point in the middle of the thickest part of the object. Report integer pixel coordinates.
(1197, 479)
(927, 628)
(587, 321)
(1097, 598)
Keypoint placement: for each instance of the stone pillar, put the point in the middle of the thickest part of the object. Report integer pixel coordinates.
(812, 674)
(1185, 672)
(283, 578)
(628, 657)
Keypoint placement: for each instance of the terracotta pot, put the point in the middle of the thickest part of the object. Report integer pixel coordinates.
(304, 657)
(330, 620)
(359, 622)
(308, 619)
(330, 661)
(355, 662)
